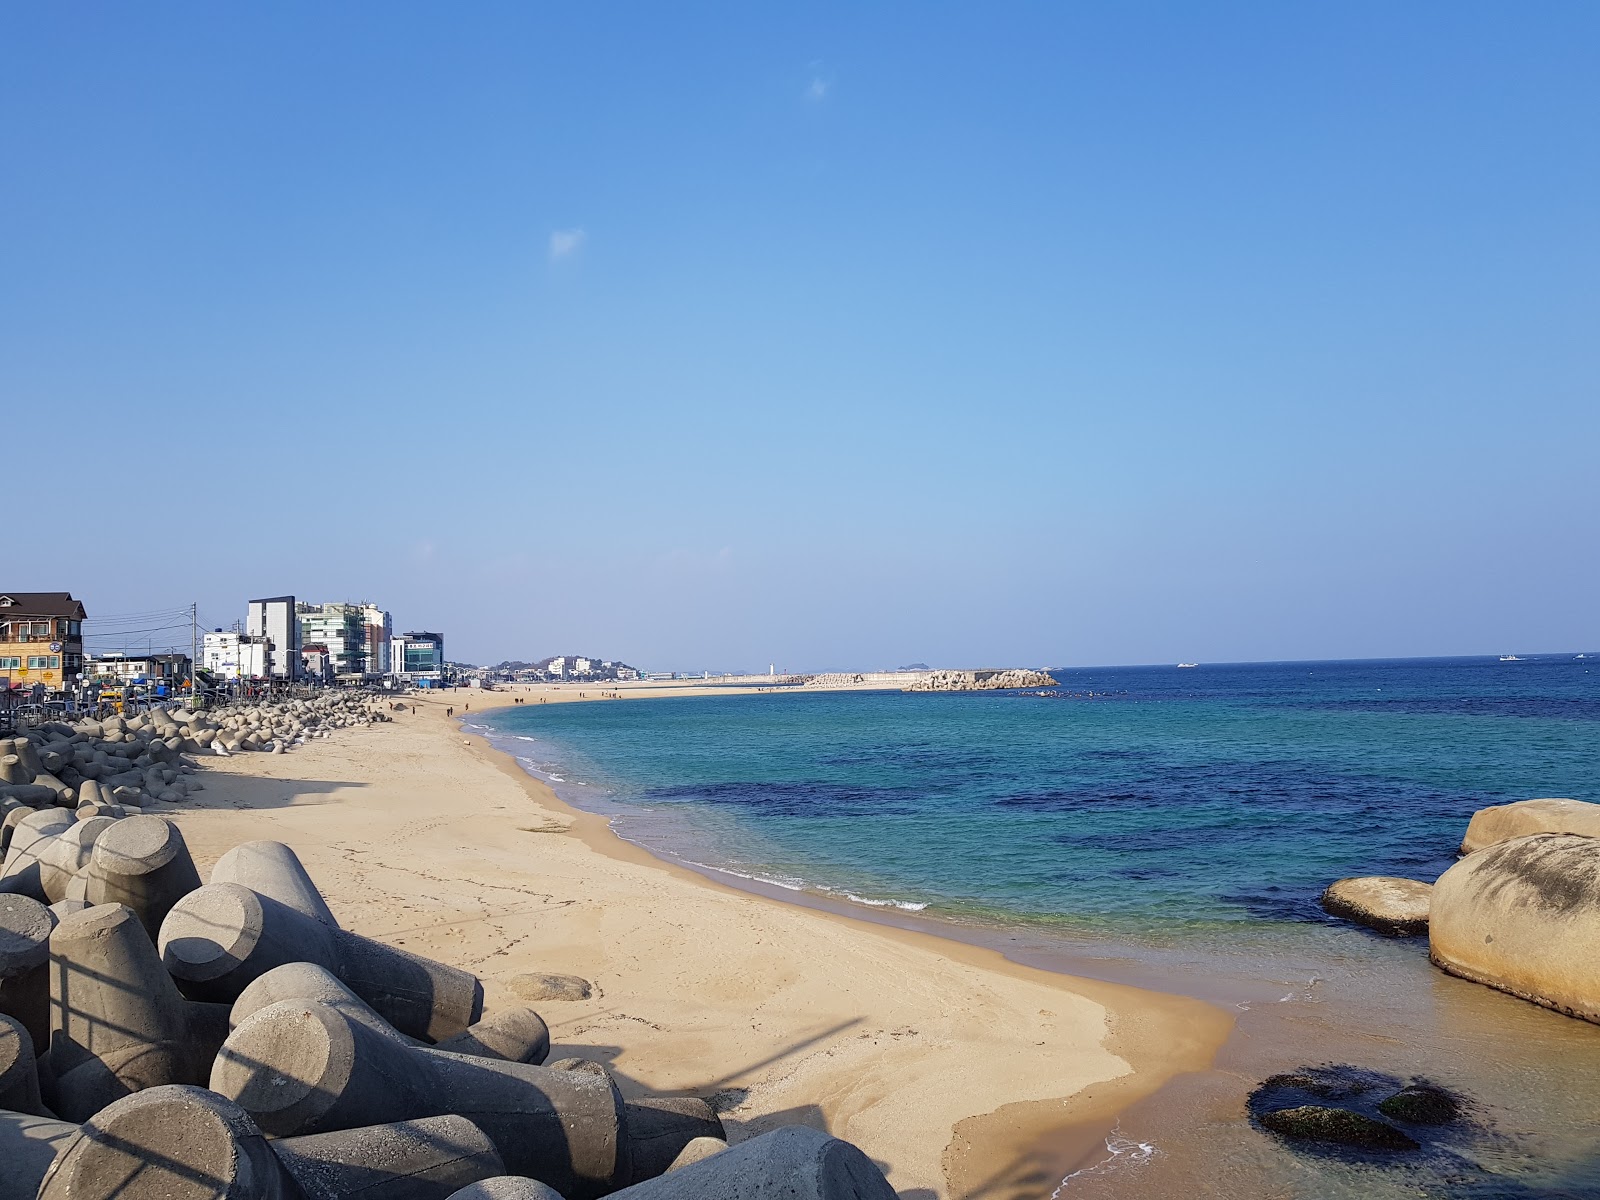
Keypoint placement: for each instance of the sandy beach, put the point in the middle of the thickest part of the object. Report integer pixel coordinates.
(960, 1072)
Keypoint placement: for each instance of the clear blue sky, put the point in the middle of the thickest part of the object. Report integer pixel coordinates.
(845, 337)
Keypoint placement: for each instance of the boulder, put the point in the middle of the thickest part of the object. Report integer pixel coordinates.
(1524, 916)
(1392, 906)
(1502, 822)
(1314, 1123)
(1421, 1104)
(535, 986)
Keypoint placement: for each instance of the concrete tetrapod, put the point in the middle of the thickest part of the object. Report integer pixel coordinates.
(185, 1143)
(793, 1163)
(118, 1023)
(19, 1070)
(303, 1066)
(217, 940)
(273, 869)
(25, 927)
(28, 1145)
(30, 837)
(142, 862)
(514, 1035)
(507, 1187)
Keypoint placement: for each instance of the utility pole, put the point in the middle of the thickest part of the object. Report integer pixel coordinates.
(194, 638)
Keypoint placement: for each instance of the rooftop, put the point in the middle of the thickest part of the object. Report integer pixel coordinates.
(41, 604)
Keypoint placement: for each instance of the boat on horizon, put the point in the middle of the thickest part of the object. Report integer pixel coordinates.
(1188, 664)
(1509, 658)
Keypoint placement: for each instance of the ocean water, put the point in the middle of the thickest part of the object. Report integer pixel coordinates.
(1169, 827)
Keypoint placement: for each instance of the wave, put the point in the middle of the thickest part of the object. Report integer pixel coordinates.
(1122, 1154)
(908, 905)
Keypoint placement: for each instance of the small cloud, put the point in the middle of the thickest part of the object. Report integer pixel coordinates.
(564, 243)
(820, 84)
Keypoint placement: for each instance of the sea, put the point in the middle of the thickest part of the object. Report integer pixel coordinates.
(1170, 828)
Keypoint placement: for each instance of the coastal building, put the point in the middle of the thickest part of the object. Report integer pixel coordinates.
(582, 666)
(121, 670)
(274, 619)
(41, 639)
(418, 657)
(557, 667)
(316, 663)
(232, 656)
(342, 628)
(380, 632)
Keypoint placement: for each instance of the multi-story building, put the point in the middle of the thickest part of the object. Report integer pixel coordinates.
(418, 657)
(274, 619)
(316, 663)
(558, 667)
(380, 632)
(41, 639)
(236, 656)
(342, 628)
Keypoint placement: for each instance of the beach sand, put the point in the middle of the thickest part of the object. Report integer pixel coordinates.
(960, 1072)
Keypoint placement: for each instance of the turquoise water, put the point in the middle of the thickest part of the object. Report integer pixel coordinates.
(1138, 801)
(1167, 827)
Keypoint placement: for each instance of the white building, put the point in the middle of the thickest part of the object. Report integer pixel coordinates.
(558, 667)
(380, 633)
(236, 656)
(582, 666)
(274, 619)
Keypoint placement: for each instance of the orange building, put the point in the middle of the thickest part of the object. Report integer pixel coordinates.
(41, 638)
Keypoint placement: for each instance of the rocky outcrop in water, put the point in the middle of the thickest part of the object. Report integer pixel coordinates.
(1393, 906)
(981, 681)
(1523, 916)
(1502, 822)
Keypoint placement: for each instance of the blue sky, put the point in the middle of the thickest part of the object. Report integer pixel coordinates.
(712, 336)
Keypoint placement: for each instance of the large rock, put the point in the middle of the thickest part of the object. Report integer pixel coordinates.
(1524, 916)
(1393, 906)
(1502, 822)
(537, 986)
(1315, 1123)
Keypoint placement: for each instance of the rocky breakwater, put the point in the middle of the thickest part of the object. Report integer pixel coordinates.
(163, 1037)
(146, 757)
(981, 681)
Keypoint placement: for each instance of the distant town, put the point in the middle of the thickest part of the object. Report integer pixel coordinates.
(53, 650)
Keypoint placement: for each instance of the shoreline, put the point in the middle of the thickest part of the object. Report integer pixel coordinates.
(1047, 1060)
(1297, 998)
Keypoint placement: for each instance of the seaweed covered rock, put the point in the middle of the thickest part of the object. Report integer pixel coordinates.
(1421, 1104)
(1314, 1122)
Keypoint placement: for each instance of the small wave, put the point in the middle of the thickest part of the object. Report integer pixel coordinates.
(789, 885)
(522, 737)
(1122, 1154)
(557, 779)
(909, 906)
